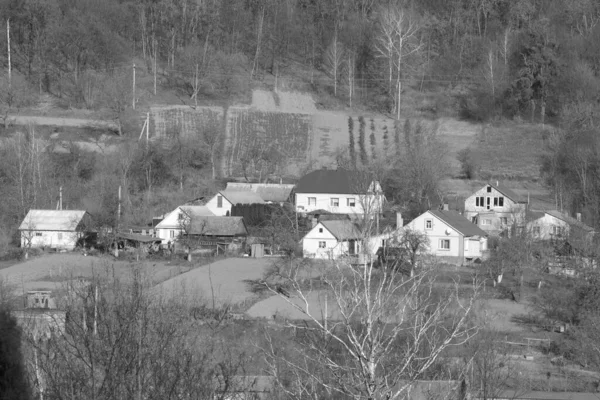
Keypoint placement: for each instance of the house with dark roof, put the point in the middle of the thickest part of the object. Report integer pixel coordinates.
(221, 203)
(332, 239)
(338, 191)
(494, 208)
(174, 223)
(451, 236)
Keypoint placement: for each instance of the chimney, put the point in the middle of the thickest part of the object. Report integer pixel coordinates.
(399, 220)
(445, 207)
(497, 183)
(578, 215)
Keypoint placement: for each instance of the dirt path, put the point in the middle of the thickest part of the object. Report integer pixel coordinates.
(57, 121)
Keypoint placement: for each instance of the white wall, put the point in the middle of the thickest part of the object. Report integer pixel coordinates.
(323, 202)
(52, 239)
(170, 227)
(546, 224)
(333, 249)
(510, 210)
(438, 232)
(219, 211)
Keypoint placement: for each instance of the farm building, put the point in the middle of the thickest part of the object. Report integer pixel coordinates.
(217, 232)
(494, 208)
(56, 229)
(339, 192)
(332, 239)
(278, 193)
(451, 236)
(175, 222)
(220, 205)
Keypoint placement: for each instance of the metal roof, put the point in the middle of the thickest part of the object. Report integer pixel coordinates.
(218, 226)
(52, 220)
(334, 181)
(273, 192)
(241, 197)
(458, 222)
(342, 229)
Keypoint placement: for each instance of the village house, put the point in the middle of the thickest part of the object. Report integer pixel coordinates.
(451, 236)
(55, 229)
(217, 233)
(332, 239)
(339, 192)
(494, 208)
(222, 202)
(271, 193)
(175, 222)
(554, 225)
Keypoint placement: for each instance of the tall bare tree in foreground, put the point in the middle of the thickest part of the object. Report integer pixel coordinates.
(367, 333)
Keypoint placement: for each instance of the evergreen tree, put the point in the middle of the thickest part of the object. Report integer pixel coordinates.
(351, 149)
(372, 140)
(361, 139)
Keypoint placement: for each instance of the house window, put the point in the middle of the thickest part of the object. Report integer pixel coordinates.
(500, 201)
(38, 234)
(486, 222)
(557, 230)
(350, 202)
(219, 201)
(474, 220)
(180, 215)
(172, 234)
(489, 189)
(536, 231)
(322, 244)
(495, 202)
(504, 220)
(335, 202)
(320, 230)
(59, 235)
(428, 224)
(312, 201)
(479, 201)
(444, 244)
(489, 200)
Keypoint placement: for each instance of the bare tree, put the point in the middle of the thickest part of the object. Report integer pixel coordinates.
(334, 60)
(369, 333)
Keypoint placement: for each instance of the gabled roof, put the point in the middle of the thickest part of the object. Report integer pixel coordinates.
(342, 229)
(218, 226)
(196, 211)
(241, 197)
(508, 193)
(569, 220)
(333, 181)
(273, 192)
(458, 222)
(53, 220)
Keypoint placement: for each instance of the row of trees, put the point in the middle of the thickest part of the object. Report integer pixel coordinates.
(519, 55)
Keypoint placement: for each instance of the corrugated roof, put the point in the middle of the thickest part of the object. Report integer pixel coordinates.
(334, 181)
(274, 192)
(137, 237)
(218, 226)
(569, 220)
(342, 229)
(458, 222)
(52, 220)
(241, 197)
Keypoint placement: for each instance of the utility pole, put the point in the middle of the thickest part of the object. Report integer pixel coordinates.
(8, 45)
(154, 45)
(118, 224)
(60, 198)
(133, 101)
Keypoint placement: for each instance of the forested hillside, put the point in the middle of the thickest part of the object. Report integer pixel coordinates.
(535, 61)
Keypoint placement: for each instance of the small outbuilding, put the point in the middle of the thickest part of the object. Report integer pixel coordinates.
(55, 229)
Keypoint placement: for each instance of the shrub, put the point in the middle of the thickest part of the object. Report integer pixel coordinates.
(469, 167)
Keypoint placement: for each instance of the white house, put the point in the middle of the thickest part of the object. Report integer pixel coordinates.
(220, 205)
(451, 235)
(339, 192)
(494, 208)
(277, 193)
(553, 225)
(57, 229)
(175, 222)
(332, 239)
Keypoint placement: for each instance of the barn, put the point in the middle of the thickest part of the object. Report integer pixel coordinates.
(55, 229)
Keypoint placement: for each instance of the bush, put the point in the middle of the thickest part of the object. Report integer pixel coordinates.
(469, 167)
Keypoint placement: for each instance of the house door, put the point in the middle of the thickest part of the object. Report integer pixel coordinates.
(352, 247)
(488, 202)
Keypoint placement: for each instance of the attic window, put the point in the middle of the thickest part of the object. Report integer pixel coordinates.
(219, 201)
(322, 245)
(428, 224)
(489, 189)
(320, 230)
(180, 217)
